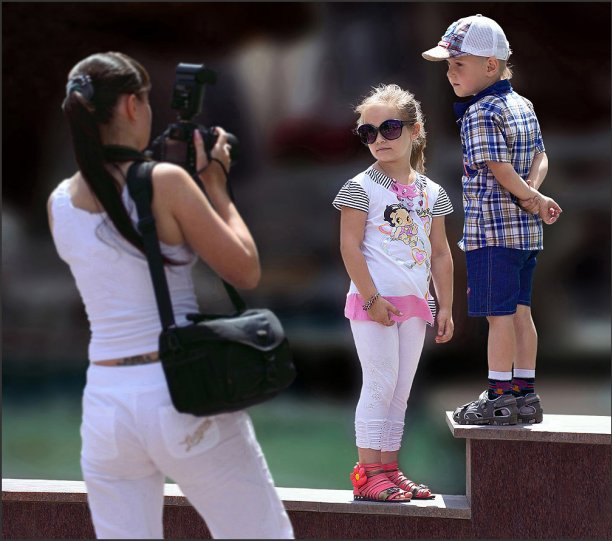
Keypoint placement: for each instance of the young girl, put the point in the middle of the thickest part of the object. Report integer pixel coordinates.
(392, 241)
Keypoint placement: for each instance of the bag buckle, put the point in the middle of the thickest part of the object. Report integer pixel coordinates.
(262, 335)
(271, 367)
(174, 343)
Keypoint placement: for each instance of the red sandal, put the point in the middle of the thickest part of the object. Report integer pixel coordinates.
(395, 475)
(371, 484)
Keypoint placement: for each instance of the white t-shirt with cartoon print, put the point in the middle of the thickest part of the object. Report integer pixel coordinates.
(396, 242)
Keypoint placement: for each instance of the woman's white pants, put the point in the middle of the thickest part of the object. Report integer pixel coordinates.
(133, 438)
(389, 358)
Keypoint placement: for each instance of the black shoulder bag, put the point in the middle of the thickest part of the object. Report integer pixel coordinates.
(215, 364)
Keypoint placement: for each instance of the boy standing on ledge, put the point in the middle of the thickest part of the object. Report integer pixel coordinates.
(504, 166)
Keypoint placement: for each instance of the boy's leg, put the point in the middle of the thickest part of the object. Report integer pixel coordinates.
(501, 347)
(493, 275)
(501, 351)
(523, 383)
(524, 327)
(526, 338)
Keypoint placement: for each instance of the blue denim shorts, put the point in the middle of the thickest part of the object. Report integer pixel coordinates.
(498, 280)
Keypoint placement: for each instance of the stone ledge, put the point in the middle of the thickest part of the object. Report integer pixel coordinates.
(341, 501)
(294, 499)
(585, 429)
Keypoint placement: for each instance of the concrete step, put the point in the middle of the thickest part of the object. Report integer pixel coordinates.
(294, 499)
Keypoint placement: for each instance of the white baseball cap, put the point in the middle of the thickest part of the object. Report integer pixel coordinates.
(476, 35)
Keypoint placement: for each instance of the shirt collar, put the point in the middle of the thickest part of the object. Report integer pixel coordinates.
(496, 89)
(386, 181)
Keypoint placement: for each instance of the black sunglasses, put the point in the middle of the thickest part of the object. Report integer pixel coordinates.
(389, 129)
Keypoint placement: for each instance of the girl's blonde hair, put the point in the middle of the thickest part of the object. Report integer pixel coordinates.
(409, 109)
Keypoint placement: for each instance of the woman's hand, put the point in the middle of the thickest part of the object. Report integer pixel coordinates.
(379, 312)
(211, 170)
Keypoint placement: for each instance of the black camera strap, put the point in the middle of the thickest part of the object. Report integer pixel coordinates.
(120, 153)
(140, 188)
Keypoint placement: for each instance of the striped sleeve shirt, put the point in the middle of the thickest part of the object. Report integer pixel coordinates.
(352, 195)
(443, 205)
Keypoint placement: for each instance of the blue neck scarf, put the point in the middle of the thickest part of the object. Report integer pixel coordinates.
(500, 87)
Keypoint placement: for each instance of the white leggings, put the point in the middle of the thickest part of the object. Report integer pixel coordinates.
(389, 358)
(132, 438)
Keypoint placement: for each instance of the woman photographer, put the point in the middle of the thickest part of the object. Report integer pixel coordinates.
(132, 437)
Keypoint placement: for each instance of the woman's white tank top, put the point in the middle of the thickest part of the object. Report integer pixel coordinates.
(113, 279)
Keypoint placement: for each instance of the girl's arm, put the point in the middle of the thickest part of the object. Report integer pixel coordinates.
(352, 229)
(442, 275)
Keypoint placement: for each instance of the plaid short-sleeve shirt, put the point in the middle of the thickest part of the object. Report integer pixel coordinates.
(497, 125)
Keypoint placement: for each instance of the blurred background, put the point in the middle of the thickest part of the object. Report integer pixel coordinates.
(289, 76)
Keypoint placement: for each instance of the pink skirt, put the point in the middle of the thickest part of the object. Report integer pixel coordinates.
(408, 305)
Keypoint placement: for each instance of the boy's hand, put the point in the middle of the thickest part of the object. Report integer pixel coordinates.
(379, 312)
(549, 210)
(529, 205)
(446, 326)
(546, 207)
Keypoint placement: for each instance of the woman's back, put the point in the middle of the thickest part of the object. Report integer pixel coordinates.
(113, 278)
(133, 438)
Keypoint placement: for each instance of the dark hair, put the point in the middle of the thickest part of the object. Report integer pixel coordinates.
(390, 210)
(94, 86)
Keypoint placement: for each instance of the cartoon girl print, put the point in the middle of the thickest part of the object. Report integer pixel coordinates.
(404, 228)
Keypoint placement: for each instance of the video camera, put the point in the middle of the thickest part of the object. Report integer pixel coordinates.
(176, 143)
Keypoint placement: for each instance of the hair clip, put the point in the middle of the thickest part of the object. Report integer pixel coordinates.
(81, 84)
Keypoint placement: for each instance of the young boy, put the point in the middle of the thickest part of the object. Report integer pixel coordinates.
(504, 165)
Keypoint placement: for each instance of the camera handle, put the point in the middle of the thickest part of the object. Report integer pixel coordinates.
(118, 153)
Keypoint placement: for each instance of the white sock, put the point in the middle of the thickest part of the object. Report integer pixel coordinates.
(524, 373)
(500, 376)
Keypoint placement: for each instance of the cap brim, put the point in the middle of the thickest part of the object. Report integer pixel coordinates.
(436, 53)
